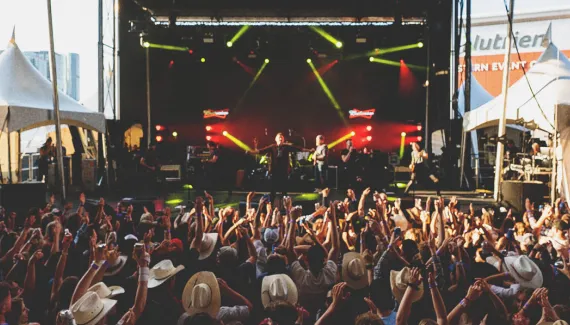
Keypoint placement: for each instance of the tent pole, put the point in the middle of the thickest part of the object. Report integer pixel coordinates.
(503, 120)
(148, 126)
(55, 101)
(9, 157)
(462, 159)
(554, 181)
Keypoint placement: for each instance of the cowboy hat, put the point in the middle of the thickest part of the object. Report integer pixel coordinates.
(524, 271)
(202, 294)
(106, 292)
(495, 261)
(399, 281)
(91, 308)
(354, 271)
(117, 266)
(401, 222)
(278, 287)
(161, 272)
(208, 244)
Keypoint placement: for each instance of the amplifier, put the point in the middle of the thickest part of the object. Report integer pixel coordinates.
(172, 173)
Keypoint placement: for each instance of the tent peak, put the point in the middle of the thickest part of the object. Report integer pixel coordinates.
(12, 41)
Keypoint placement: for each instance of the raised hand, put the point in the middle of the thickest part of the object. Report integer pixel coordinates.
(296, 213)
(474, 292)
(338, 294)
(415, 276)
(366, 191)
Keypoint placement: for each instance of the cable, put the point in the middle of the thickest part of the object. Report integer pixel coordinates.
(523, 68)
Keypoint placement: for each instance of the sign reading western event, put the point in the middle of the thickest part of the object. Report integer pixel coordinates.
(357, 113)
(216, 113)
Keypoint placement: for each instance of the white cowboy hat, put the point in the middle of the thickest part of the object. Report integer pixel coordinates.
(117, 266)
(91, 308)
(495, 261)
(524, 271)
(278, 287)
(354, 271)
(401, 222)
(106, 292)
(208, 244)
(202, 294)
(161, 272)
(399, 283)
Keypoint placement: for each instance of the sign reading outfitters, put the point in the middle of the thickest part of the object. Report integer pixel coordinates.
(357, 113)
(216, 113)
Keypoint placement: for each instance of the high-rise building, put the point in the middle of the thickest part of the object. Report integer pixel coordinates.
(72, 84)
(67, 70)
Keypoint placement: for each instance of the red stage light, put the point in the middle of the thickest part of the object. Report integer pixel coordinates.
(419, 127)
(401, 60)
(208, 138)
(369, 138)
(369, 128)
(191, 51)
(419, 138)
(159, 127)
(208, 128)
(158, 138)
(171, 64)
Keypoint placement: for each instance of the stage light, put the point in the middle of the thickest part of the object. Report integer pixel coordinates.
(341, 139)
(229, 44)
(420, 44)
(240, 32)
(164, 47)
(308, 60)
(208, 138)
(401, 60)
(338, 44)
(203, 60)
(225, 133)
(328, 92)
(326, 36)
(208, 128)
(191, 51)
(369, 128)
(352, 133)
(403, 134)
(175, 134)
(146, 44)
(419, 127)
(402, 145)
(369, 138)
(419, 138)
(159, 127)
(158, 138)
(266, 60)
(237, 141)
(371, 59)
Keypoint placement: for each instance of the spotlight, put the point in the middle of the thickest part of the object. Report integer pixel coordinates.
(419, 127)
(369, 138)
(208, 138)
(225, 133)
(419, 138)
(230, 44)
(159, 127)
(266, 60)
(420, 44)
(146, 44)
(308, 60)
(191, 51)
(175, 134)
(158, 138)
(353, 133)
(369, 128)
(401, 61)
(371, 59)
(208, 128)
(403, 134)
(338, 44)
(203, 60)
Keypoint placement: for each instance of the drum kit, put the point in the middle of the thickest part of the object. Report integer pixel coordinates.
(527, 167)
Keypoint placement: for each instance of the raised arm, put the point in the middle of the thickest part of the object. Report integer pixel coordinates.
(85, 282)
(60, 268)
(406, 304)
(30, 280)
(438, 305)
(333, 253)
(197, 241)
(362, 201)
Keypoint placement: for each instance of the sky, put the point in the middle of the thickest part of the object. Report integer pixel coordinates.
(75, 31)
(483, 8)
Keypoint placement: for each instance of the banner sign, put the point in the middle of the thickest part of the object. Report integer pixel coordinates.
(216, 113)
(356, 113)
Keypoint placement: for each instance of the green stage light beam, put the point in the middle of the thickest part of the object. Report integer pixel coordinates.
(165, 47)
(237, 141)
(341, 139)
(327, 36)
(379, 51)
(240, 32)
(396, 63)
(259, 72)
(402, 145)
(327, 92)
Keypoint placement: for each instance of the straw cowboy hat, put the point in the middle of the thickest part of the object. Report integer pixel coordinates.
(106, 292)
(401, 222)
(161, 272)
(354, 271)
(524, 271)
(202, 294)
(117, 266)
(278, 287)
(208, 244)
(495, 260)
(91, 308)
(399, 283)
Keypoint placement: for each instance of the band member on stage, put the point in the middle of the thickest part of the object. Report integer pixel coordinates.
(349, 157)
(46, 153)
(150, 159)
(419, 169)
(320, 161)
(280, 163)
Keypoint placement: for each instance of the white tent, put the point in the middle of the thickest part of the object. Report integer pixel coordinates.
(550, 81)
(479, 97)
(26, 102)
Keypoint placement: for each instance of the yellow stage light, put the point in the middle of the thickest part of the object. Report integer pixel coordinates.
(225, 133)
(203, 60)
(308, 60)
(266, 60)
(229, 44)
(237, 141)
(338, 44)
(352, 133)
(175, 134)
(420, 44)
(341, 139)
(371, 59)
(403, 134)
(146, 44)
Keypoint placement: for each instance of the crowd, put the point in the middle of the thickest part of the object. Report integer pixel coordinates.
(339, 264)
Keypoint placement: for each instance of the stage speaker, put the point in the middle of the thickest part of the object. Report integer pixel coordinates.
(514, 194)
(20, 198)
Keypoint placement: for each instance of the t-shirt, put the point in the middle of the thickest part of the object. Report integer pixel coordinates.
(312, 290)
(279, 157)
(390, 319)
(322, 150)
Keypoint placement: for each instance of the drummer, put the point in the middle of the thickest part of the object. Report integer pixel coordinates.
(511, 150)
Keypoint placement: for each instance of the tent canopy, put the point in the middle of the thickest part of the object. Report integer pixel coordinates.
(550, 81)
(26, 97)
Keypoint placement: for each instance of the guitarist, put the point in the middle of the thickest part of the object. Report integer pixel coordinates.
(320, 161)
(419, 169)
(47, 152)
(150, 164)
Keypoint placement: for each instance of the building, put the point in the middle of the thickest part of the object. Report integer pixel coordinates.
(67, 70)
